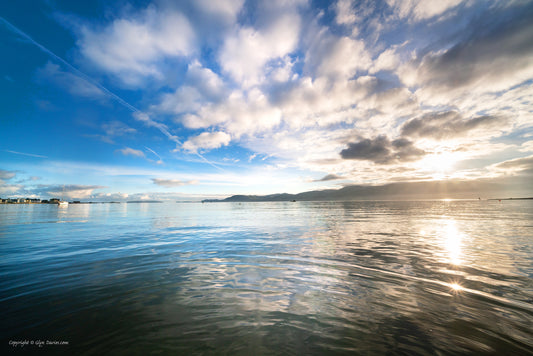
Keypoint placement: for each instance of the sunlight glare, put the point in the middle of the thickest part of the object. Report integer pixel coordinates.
(453, 242)
(456, 287)
(439, 164)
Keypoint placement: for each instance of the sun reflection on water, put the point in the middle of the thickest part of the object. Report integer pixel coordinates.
(456, 287)
(452, 241)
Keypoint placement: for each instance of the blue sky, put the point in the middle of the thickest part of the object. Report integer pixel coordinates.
(187, 100)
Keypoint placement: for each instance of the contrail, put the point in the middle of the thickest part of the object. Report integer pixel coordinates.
(25, 154)
(158, 156)
(141, 116)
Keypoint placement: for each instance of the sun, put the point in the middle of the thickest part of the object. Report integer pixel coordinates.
(439, 164)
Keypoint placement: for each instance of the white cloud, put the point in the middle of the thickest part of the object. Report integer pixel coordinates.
(117, 128)
(246, 52)
(345, 14)
(387, 60)
(127, 151)
(526, 147)
(288, 87)
(172, 183)
(9, 188)
(109, 196)
(417, 10)
(71, 191)
(114, 129)
(335, 57)
(201, 86)
(132, 47)
(207, 140)
(226, 9)
(242, 113)
(319, 102)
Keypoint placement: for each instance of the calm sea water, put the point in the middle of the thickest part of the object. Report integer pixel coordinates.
(268, 278)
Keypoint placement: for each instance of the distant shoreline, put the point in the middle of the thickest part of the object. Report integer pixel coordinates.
(81, 202)
(237, 199)
(530, 198)
(295, 198)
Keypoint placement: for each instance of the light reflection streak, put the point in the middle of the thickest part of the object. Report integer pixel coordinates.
(453, 242)
(506, 301)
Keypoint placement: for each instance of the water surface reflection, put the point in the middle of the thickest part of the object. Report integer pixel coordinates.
(271, 278)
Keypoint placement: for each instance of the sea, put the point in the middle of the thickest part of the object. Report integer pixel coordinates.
(268, 278)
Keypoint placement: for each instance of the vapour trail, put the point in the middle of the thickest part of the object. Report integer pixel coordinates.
(149, 149)
(141, 116)
(25, 154)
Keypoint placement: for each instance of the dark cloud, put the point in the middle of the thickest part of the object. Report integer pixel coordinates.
(495, 48)
(367, 149)
(448, 124)
(381, 150)
(328, 177)
(6, 174)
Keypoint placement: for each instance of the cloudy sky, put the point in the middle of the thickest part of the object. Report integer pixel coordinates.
(184, 100)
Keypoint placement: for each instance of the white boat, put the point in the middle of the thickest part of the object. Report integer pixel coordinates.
(62, 202)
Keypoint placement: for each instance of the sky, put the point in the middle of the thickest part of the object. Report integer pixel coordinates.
(185, 100)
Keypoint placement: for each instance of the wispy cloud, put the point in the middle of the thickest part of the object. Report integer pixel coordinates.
(112, 130)
(72, 83)
(450, 124)
(7, 174)
(128, 151)
(172, 183)
(523, 165)
(418, 10)
(138, 114)
(207, 140)
(117, 49)
(117, 128)
(10, 189)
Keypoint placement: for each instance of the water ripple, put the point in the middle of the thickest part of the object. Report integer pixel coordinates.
(279, 278)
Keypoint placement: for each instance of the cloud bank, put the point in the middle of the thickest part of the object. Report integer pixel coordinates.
(375, 91)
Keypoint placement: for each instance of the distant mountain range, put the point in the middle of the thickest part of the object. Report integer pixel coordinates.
(453, 189)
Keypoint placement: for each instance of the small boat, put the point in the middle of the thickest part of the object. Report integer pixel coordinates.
(62, 202)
